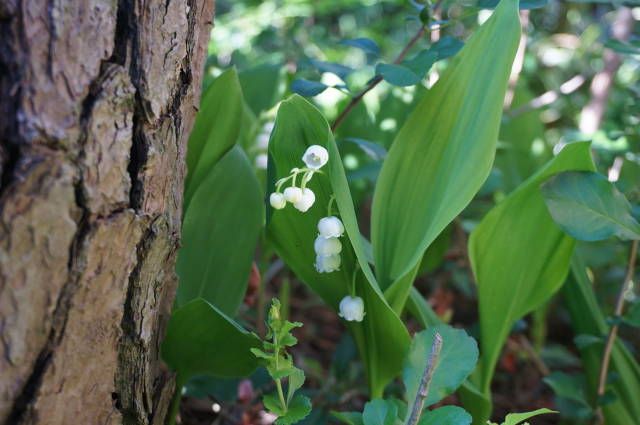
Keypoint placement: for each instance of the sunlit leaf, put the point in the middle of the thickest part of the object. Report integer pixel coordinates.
(443, 153)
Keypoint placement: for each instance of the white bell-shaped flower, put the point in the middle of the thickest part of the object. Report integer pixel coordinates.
(330, 227)
(261, 161)
(306, 201)
(293, 194)
(327, 246)
(328, 263)
(277, 200)
(352, 309)
(315, 157)
(262, 141)
(268, 127)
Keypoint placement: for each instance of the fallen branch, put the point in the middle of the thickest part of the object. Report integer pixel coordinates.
(425, 382)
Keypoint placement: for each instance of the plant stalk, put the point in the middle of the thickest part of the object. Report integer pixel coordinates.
(425, 382)
(613, 332)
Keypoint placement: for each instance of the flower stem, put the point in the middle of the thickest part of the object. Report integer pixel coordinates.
(353, 280)
(283, 403)
(330, 207)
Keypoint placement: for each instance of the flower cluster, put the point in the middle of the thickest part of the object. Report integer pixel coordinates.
(302, 198)
(327, 245)
(262, 144)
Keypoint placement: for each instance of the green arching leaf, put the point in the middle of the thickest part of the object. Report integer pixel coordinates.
(221, 225)
(587, 319)
(516, 418)
(515, 279)
(381, 337)
(447, 415)
(589, 207)
(443, 153)
(221, 109)
(203, 340)
(457, 360)
(379, 412)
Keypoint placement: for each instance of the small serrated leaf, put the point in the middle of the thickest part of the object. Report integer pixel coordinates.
(297, 410)
(447, 415)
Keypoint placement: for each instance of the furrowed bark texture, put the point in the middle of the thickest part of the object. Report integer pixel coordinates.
(97, 98)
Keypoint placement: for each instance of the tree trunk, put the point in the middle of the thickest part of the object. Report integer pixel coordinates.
(97, 98)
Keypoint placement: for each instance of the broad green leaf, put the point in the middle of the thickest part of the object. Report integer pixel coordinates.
(516, 418)
(589, 207)
(519, 257)
(381, 337)
(379, 412)
(308, 88)
(297, 410)
(587, 319)
(447, 415)
(215, 131)
(443, 153)
(203, 340)
(262, 86)
(219, 234)
(457, 360)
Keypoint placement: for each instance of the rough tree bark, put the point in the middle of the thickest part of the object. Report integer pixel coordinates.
(97, 98)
